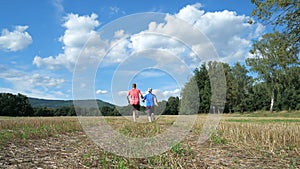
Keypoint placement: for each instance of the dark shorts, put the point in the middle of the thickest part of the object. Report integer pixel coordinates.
(136, 107)
(150, 110)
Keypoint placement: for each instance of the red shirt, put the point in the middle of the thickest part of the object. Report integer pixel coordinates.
(134, 96)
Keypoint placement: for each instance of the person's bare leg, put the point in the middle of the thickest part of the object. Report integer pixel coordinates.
(149, 115)
(152, 117)
(137, 113)
(149, 119)
(134, 115)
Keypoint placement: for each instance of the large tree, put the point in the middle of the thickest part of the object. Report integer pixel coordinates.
(230, 87)
(241, 86)
(15, 105)
(283, 14)
(189, 103)
(203, 83)
(217, 76)
(172, 106)
(257, 98)
(273, 56)
(290, 94)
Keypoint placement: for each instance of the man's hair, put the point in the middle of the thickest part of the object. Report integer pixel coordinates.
(134, 85)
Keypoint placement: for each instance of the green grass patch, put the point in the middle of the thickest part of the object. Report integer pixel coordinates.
(288, 114)
(264, 120)
(177, 148)
(6, 117)
(217, 138)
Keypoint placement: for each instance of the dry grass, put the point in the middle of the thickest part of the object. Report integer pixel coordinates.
(271, 137)
(35, 127)
(255, 136)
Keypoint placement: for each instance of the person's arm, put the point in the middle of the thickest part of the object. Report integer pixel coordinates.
(144, 98)
(155, 101)
(128, 98)
(141, 95)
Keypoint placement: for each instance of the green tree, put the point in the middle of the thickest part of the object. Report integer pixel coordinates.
(257, 98)
(45, 111)
(230, 87)
(240, 87)
(283, 14)
(205, 91)
(15, 105)
(218, 86)
(203, 83)
(115, 112)
(290, 94)
(273, 56)
(172, 106)
(189, 103)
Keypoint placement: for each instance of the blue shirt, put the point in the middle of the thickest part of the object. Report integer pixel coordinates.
(149, 99)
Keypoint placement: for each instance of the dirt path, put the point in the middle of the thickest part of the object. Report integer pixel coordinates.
(76, 150)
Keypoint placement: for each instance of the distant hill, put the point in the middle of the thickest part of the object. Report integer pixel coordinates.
(62, 103)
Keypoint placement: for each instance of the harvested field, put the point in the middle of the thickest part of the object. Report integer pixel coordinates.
(237, 142)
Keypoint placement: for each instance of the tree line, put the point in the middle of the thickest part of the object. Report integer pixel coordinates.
(245, 92)
(19, 105)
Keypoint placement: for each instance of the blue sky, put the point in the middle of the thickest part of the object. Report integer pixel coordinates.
(63, 49)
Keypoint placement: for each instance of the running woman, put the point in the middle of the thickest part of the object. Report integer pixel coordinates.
(133, 99)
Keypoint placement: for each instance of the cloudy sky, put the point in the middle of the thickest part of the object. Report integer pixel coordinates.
(63, 49)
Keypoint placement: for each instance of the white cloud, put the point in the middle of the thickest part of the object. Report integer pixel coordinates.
(165, 94)
(23, 80)
(258, 31)
(41, 80)
(77, 23)
(191, 13)
(79, 31)
(101, 92)
(7, 90)
(151, 74)
(114, 10)
(169, 93)
(32, 84)
(58, 6)
(118, 49)
(123, 93)
(52, 62)
(155, 40)
(231, 34)
(16, 40)
(120, 34)
(222, 32)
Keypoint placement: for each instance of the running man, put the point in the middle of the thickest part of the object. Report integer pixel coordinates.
(151, 102)
(133, 98)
